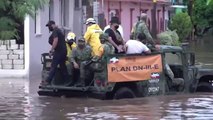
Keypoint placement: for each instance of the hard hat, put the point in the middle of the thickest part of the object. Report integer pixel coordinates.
(71, 36)
(90, 20)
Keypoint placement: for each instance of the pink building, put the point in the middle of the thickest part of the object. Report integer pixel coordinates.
(128, 10)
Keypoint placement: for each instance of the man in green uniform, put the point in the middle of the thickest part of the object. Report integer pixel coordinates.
(141, 27)
(80, 55)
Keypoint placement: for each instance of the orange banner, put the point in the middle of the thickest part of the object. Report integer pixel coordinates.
(134, 68)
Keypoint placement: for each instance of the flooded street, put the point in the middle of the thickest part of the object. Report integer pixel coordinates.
(203, 51)
(19, 101)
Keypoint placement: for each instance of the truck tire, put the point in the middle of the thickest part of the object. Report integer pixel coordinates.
(204, 87)
(124, 92)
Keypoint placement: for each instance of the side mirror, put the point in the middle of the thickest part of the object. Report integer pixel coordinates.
(191, 59)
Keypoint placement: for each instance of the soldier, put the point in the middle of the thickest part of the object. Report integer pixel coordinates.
(80, 55)
(99, 67)
(108, 47)
(141, 27)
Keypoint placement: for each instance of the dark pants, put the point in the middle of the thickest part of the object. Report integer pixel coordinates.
(58, 59)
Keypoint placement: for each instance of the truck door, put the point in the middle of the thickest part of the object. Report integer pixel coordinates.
(192, 71)
(175, 71)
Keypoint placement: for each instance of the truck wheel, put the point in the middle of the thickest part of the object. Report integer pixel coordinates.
(124, 92)
(204, 87)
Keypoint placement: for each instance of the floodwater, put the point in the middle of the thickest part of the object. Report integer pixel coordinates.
(19, 101)
(203, 49)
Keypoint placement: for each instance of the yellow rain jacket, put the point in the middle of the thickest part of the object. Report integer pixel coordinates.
(92, 38)
(69, 50)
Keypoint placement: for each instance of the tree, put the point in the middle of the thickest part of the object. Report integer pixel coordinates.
(12, 15)
(181, 22)
(209, 2)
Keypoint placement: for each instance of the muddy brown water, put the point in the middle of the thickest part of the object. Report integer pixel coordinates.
(19, 101)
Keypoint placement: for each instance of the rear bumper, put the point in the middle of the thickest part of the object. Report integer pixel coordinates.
(70, 92)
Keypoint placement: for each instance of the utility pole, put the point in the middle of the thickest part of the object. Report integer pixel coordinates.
(154, 22)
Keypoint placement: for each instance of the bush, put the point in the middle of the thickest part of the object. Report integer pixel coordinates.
(169, 38)
(181, 22)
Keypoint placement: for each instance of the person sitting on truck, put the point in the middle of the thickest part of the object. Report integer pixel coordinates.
(70, 44)
(136, 46)
(108, 47)
(80, 55)
(115, 37)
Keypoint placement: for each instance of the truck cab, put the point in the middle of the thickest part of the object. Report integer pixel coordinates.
(129, 76)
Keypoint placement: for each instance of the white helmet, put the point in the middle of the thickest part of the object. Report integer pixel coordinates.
(90, 20)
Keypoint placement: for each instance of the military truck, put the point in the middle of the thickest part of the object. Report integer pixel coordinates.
(136, 75)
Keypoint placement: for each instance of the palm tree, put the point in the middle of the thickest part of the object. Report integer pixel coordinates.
(12, 15)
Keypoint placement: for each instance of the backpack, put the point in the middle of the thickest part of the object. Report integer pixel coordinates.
(139, 30)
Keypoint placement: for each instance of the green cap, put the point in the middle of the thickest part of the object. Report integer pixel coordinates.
(103, 36)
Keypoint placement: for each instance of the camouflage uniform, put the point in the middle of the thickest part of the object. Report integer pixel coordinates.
(141, 27)
(81, 57)
(108, 49)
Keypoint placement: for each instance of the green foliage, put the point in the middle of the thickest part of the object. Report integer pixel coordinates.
(181, 22)
(202, 16)
(169, 38)
(12, 14)
(199, 11)
(209, 2)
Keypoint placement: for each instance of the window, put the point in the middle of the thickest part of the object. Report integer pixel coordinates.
(51, 10)
(77, 4)
(173, 58)
(65, 13)
(38, 22)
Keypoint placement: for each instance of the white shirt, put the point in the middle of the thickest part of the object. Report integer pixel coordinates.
(135, 46)
(120, 29)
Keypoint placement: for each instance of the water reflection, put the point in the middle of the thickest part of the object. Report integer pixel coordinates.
(16, 102)
(19, 100)
(203, 51)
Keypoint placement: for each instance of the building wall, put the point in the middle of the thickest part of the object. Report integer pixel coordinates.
(129, 10)
(37, 34)
(39, 41)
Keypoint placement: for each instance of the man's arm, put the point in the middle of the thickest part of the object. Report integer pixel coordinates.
(73, 56)
(148, 35)
(55, 42)
(112, 42)
(146, 50)
(87, 36)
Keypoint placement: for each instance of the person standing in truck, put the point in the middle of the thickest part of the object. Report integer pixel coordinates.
(58, 51)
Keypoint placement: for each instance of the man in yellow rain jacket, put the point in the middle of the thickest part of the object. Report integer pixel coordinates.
(70, 45)
(92, 37)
